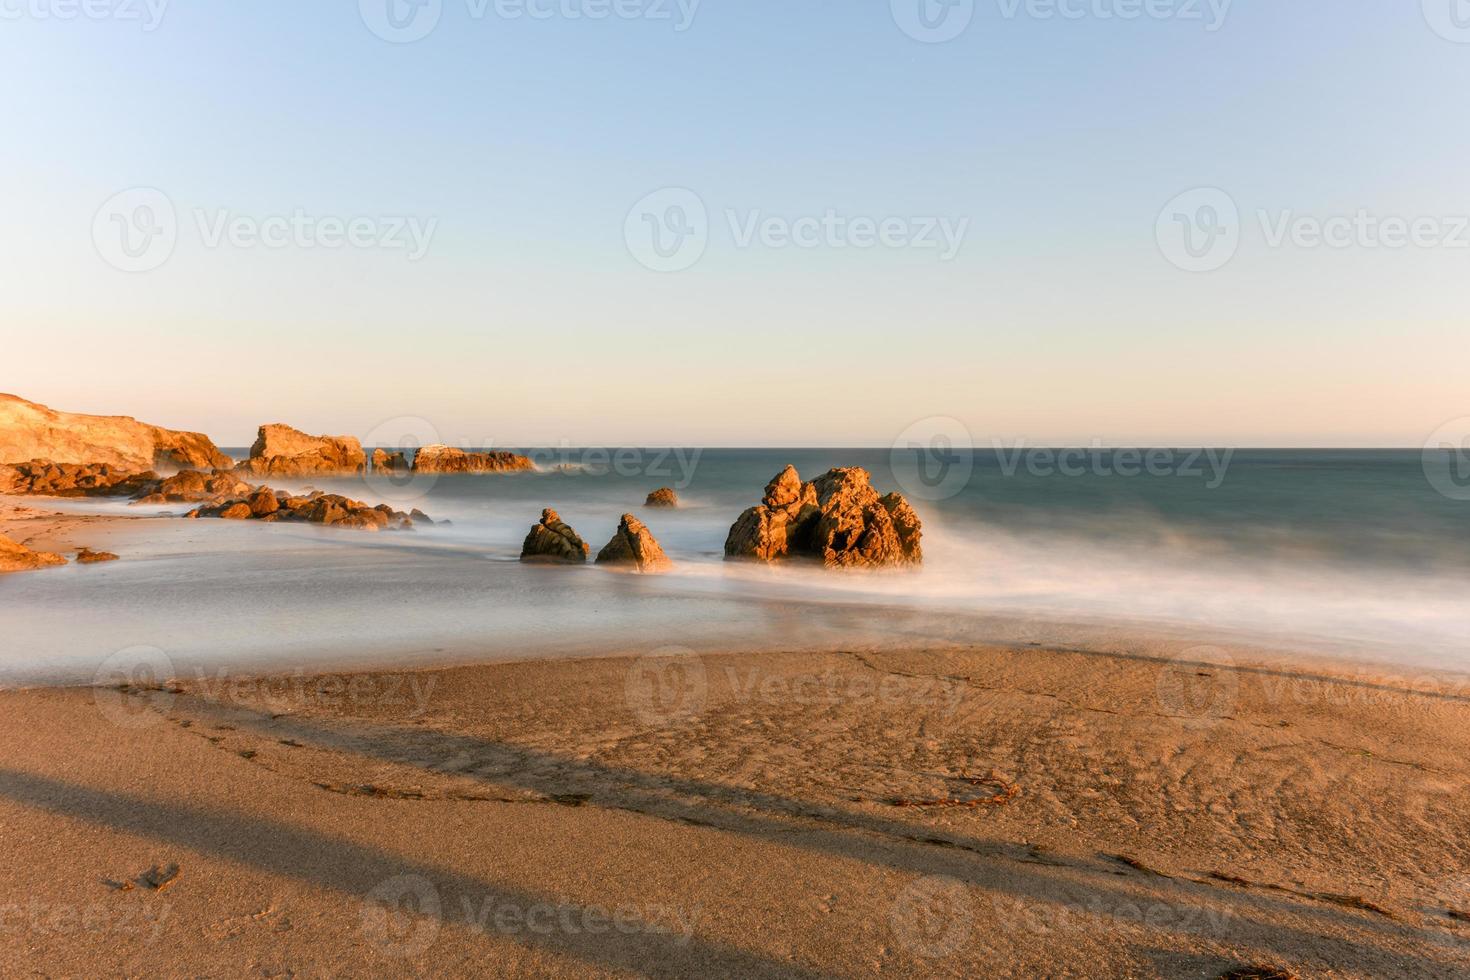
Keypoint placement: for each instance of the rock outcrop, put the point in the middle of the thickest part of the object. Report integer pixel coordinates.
(386, 462)
(194, 486)
(89, 557)
(30, 431)
(447, 459)
(553, 540)
(837, 519)
(74, 479)
(280, 450)
(635, 545)
(330, 509)
(662, 497)
(780, 525)
(15, 557)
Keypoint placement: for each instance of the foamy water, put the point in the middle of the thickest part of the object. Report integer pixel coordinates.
(1336, 552)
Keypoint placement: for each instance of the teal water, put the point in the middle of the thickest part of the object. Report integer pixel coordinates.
(1331, 550)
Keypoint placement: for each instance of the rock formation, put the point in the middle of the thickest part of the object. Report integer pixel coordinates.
(16, 557)
(447, 459)
(280, 450)
(89, 557)
(333, 510)
(194, 486)
(780, 525)
(837, 519)
(634, 544)
(662, 497)
(552, 540)
(30, 431)
(74, 479)
(386, 462)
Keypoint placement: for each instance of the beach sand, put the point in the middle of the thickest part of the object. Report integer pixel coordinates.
(1114, 809)
(740, 815)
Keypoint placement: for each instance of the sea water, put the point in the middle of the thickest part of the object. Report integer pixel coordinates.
(1339, 551)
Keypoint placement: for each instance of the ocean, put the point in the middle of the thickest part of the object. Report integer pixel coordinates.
(1351, 553)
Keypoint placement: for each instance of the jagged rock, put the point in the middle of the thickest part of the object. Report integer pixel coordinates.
(781, 523)
(447, 459)
(15, 557)
(386, 462)
(662, 497)
(419, 517)
(196, 486)
(280, 450)
(553, 540)
(837, 519)
(73, 479)
(89, 557)
(634, 544)
(30, 431)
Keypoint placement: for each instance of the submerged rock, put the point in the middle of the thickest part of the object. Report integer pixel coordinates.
(16, 557)
(837, 519)
(662, 497)
(633, 544)
(553, 540)
(447, 459)
(280, 450)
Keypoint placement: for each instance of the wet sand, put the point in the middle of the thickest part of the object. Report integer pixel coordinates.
(743, 815)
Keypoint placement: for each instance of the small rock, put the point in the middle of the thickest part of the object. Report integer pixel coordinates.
(662, 497)
(553, 540)
(635, 545)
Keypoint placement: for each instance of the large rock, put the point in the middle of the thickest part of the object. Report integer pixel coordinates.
(553, 540)
(779, 525)
(30, 431)
(280, 450)
(16, 557)
(635, 545)
(447, 459)
(837, 519)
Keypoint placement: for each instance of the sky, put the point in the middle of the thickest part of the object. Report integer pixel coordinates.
(653, 222)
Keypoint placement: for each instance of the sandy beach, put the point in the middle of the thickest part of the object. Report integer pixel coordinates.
(951, 810)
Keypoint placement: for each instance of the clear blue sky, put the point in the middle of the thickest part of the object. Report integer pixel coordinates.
(529, 321)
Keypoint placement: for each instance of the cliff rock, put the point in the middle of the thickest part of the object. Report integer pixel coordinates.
(280, 450)
(30, 431)
(447, 459)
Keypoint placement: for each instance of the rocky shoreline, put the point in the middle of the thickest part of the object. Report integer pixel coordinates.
(836, 520)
